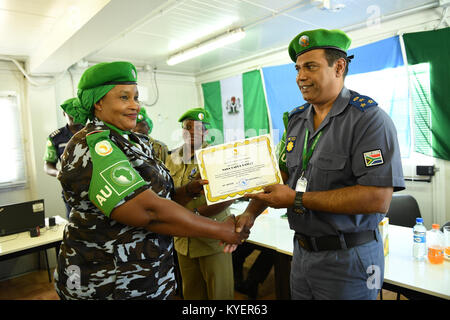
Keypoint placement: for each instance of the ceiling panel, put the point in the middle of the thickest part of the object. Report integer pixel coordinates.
(166, 27)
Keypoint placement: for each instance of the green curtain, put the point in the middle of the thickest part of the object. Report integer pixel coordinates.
(431, 101)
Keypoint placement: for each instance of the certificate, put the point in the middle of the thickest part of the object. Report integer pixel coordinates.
(239, 167)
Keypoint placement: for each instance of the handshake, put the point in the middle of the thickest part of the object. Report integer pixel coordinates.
(237, 231)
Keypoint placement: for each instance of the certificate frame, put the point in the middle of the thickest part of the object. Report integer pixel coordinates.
(263, 140)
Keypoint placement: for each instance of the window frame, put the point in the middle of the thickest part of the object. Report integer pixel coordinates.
(17, 183)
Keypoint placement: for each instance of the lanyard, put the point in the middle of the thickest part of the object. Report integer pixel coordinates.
(306, 156)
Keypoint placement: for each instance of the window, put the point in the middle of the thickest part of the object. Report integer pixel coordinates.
(389, 87)
(12, 161)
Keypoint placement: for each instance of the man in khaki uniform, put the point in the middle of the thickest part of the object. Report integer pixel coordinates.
(144, 126)
(206, 271)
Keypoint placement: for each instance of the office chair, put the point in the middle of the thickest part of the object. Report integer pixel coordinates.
(403, 211)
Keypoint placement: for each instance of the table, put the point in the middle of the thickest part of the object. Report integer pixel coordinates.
(272, 231)
(19, 244)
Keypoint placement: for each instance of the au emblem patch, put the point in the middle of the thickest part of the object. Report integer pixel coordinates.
(120, 177)
(290, 144)
(103, 148)
(373, 158)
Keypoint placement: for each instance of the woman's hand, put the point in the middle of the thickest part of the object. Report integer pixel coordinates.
(233, 238)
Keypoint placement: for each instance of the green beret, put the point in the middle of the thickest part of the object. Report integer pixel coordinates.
(197, 114)
(142, 116)
(120, 72)
(98, 80)
(318, 39)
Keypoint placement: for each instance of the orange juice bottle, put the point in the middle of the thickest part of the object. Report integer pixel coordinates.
(435, 245)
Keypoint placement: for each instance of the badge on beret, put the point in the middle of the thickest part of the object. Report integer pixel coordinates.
(201, 116)
(373, 158)
(140, 117)
(103, 148)
(304, 41)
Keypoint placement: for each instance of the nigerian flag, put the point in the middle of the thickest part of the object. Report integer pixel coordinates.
(237, 106)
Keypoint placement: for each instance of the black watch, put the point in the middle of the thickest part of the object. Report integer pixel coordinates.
(298, 203)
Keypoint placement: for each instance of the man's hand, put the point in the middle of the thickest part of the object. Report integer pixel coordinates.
(242, 234)
(196, 185)
(275, 196)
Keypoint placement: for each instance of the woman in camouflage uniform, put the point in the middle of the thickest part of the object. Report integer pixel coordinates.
(117, 244)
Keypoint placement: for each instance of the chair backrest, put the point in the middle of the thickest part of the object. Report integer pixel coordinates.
(403, 210)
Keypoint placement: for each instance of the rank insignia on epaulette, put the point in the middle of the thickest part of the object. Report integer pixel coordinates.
(290, 144)
(362, 102)
(54, 133)
(299, 109)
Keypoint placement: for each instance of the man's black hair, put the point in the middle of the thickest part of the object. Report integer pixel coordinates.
(333, 55)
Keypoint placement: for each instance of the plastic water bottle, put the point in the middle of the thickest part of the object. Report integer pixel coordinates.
(435, 245)
(419, 244)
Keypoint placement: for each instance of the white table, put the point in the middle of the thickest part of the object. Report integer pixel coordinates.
(272, 231)
(19, 244)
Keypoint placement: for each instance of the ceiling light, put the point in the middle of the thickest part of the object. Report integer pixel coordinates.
(220, 41)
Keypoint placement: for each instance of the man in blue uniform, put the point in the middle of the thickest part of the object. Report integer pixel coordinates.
(57, 141)
(342, 163)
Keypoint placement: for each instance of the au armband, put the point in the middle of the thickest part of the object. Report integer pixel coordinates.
(50, 152)
(113, 176)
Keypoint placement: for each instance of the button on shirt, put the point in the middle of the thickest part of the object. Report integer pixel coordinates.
(356, 147)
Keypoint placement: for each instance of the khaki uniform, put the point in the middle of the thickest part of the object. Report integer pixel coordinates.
(160, 149)
(206, 271)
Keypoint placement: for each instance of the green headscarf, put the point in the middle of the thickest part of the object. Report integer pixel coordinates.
(72, 107)
(97, 81)
(142, 116)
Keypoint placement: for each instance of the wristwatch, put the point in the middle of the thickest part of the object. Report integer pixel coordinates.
(298, 203)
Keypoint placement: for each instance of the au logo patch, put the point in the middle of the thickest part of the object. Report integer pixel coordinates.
(290, 144)
(123, 175)
(373, 158)
(120, 177)
(103, 148)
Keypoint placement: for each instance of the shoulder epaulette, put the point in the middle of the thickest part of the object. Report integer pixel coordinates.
(54, 133)
(299, 109)
(362, 102)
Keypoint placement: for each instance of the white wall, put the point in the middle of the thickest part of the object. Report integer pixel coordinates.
(177, 94)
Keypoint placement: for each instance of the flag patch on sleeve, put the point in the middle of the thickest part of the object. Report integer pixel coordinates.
(373, 158)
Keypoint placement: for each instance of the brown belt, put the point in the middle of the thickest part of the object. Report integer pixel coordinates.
(345, 241)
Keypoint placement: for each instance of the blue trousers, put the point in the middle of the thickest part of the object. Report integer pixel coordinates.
(352, 274)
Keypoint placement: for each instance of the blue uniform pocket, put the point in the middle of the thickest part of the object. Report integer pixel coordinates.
(328, 170)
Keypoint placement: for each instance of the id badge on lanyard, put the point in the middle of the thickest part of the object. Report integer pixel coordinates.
(302, 183)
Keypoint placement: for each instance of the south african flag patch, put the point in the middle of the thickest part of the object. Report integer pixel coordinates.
(373, 158)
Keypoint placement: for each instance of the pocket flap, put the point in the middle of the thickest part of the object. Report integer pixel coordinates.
(330, 161)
